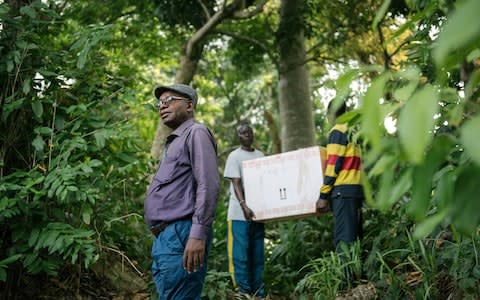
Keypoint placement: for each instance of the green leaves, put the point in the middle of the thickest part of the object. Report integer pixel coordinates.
(416, 123)
(343, 86)
(61, 239)
(4, 265)
(380, 13)
(470, 138)
(72, 184)
(391, 188)
(4, 8)
(27, 86)
(372, 118)
(89, 39)
(38, 143)
(10, 107)
(86, 214)
(8, 207)
(54, 167)
(459, 36)
(100, 136)
(428, 225)
(466, 207)
(37, 108)
(412, 76)
(28, 10)
(422, 176)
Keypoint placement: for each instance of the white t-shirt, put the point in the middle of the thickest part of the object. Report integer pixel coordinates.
(233, 169)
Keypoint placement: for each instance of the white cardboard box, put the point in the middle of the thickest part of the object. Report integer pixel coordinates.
(284, 186)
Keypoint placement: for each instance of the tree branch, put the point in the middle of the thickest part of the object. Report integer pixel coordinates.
(314, 47)
(399, 47)
(248, 13)
(324, 59)
(253, 41)
(124, 256)
(205, 9)
(211, 23)
(386, 56)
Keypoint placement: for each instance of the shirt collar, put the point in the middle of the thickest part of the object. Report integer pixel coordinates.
(184, 126)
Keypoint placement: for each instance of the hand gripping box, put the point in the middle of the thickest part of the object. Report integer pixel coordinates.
(284, 186)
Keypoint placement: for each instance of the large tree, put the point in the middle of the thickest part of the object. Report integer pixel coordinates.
(294, 94)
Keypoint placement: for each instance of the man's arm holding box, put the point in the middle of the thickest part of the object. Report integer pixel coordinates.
(237, 187)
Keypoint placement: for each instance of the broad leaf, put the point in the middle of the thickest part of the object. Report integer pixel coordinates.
(37, 108)
(470, 138)
(372, 117)
(422, 177)
(428, 225)
(10, 260)
(461, 33)
(43, 130)
(380, 13)
(100, 138)
(27, 85)
(9, 107)
(416, 123)
(33, 237)
(472, 84)
(392, 187)
(466, 217)
(386, 161)
(343, 86)
(29, 11)
(86, 214)
(444, 192)
(38, 143)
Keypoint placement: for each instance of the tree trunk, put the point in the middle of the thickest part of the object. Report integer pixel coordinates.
(192, 53)
(297, 127)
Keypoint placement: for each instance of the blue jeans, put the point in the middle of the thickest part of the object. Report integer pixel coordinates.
(172, 281)
(245, 247)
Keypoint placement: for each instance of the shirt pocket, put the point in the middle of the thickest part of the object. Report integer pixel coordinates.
(168, 168)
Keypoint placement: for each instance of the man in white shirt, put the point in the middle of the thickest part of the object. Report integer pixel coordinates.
(245, 240)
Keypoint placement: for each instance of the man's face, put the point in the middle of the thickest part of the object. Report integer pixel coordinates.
(245, 135)
(174, 109)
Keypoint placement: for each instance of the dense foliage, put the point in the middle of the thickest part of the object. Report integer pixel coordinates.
(76, 130)
(71, 159)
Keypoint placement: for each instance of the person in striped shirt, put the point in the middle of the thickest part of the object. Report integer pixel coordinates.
(342, 189)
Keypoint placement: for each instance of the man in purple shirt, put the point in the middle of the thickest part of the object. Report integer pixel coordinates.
(182, 197)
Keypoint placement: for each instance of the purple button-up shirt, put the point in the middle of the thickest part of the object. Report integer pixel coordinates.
(186, 183)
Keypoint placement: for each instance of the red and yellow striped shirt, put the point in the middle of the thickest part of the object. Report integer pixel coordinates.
(343, 171)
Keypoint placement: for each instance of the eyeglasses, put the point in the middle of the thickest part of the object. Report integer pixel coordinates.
(167, 100)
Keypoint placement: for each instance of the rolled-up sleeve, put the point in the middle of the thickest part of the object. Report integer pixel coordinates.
(203, 156)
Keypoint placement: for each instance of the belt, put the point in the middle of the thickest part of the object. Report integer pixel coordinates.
(158, 228)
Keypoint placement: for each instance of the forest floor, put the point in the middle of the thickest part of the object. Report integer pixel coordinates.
(91, 287)
(111, 280)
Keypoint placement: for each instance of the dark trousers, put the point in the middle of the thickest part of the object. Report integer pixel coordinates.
(348, 219)
(348, 229)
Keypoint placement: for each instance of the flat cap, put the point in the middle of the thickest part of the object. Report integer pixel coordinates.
(182, 89)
